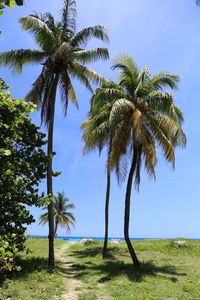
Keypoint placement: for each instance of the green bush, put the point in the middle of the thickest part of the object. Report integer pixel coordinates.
(23, 164)
(9, 248)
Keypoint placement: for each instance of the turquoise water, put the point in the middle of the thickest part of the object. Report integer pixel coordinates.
(78, 238)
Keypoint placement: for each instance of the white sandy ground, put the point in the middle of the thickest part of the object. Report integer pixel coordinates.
(72, 285)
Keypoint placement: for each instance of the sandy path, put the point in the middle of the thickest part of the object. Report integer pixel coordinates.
(71, 283)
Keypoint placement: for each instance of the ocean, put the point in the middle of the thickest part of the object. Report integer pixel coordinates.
(78, 238)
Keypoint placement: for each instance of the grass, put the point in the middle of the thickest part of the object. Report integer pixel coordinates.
(167, 272)
(34, 281)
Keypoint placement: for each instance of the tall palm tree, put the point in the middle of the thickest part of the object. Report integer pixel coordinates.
(143, 118)
(63, 57)
(61, 214)
(97, 135)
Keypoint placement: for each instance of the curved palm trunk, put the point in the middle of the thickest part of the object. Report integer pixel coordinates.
(127, 212)
(105, 246)
(51, 261)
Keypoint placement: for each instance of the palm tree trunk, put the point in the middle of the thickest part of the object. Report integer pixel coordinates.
(127, 211)
(56, 228)
(105, 246)
(51, 261)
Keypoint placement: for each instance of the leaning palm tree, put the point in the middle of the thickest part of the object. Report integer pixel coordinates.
(62, 215)
(63, 58)
(143, 118)
(97, 135)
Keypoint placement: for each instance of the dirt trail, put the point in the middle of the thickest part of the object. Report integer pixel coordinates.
(71, 283)
(73, 286)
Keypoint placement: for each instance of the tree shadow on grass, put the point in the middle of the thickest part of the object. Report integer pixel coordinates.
(28, 265)
(111, 268)
(93, 252)
(105, 270)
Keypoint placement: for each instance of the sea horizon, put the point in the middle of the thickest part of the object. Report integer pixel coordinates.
(78, 238)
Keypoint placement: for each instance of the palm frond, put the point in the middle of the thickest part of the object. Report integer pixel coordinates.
(69, 17)
(79, 72)
(67, 91)
(43, 35)
(83, 36)
(88, 56)
(160, 81)
(120, 144)
(46, 102)
(15, 59)
(129, 74)
(125, 61)
(43, 219)
(121, 108)
(94, 77)
(39, 87)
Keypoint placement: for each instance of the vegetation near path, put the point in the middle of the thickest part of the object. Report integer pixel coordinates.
(167, 272)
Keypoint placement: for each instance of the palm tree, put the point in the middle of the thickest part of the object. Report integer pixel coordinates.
(97, 134)
(63, 58)
(143, 118)
(62, 216)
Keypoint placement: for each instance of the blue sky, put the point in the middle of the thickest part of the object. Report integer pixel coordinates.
(163, 35)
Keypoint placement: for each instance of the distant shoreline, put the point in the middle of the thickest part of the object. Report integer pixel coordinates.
(78, 238)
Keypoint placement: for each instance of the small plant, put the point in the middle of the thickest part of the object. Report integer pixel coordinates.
(180, 243)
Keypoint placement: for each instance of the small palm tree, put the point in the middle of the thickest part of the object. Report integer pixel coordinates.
(63, 58)
(61, 214)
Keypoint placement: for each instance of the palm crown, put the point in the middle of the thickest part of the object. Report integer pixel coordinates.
(143, 116)
(62, 215)
(61, 52)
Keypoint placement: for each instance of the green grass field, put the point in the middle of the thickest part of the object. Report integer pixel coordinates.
(167, 272)
(34, 281)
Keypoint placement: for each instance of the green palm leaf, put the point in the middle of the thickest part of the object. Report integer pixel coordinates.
(37, 26)
(69, 17)
(82, 37)
(15, 59)
(88, 56)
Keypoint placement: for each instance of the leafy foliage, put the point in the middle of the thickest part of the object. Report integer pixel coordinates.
(8, 249)
(23, 165)
(10, 3)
